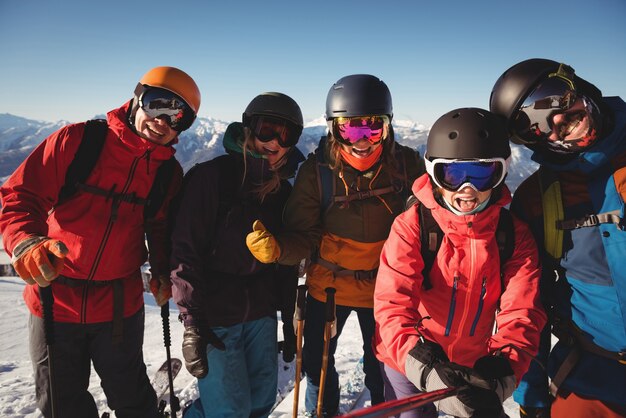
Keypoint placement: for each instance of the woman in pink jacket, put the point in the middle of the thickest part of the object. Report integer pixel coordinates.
(435, 329)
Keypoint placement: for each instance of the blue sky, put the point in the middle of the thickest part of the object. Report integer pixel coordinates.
(74, 59)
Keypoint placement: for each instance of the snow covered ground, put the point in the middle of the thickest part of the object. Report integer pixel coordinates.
(16, 384)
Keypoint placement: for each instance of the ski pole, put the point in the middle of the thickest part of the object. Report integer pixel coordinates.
(390, 408)
(47, 304)
(298, 318)
(330, 320)
(165, 315)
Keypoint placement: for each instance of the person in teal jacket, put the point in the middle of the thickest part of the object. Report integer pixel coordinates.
(578, 138)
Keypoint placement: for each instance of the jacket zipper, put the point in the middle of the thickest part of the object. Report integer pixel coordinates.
(114, 207)
(452, 306)
(481, 302)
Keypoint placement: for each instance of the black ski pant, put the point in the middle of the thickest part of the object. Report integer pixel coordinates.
(120, 367)
(313, 350)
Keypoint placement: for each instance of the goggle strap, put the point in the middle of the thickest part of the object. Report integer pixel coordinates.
(566, 73)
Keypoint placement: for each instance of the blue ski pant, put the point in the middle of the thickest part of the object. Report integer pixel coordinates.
(242, 379)
(120, 367)
(313, 348)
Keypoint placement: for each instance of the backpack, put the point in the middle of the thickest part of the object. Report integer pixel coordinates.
(85, 160)
(431, 233)
(326, 181)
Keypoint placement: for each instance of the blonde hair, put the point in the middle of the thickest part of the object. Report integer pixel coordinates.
(265, 187)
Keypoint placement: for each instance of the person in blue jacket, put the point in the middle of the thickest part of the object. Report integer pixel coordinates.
(227, 299)
(574, 204)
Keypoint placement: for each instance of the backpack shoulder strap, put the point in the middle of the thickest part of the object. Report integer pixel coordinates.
(325, 177)
(552, 202)
(160, 187)
(505, 236)
(431, 236)
(85, 159)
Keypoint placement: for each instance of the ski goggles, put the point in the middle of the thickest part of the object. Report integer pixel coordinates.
(168, 106)
(267, 128)
(557, 94)
(350, 130)
(480, 174)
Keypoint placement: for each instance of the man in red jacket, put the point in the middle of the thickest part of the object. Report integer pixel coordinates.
(82, 255)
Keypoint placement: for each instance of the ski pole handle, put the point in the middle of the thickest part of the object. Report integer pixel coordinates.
(165, 315)
(330, 304)
(300, 311)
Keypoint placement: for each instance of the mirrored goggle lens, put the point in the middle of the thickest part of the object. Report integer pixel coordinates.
(267, 128)
(483, 175)
(161, 103)
(354, 129)
(533, 121)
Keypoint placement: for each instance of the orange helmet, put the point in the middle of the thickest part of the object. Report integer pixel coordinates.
(176, 81)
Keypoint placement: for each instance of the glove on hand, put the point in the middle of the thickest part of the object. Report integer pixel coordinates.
(532, 412)
(39, 260)
(421, 360)
(161, 288)
(289, 345)
(195, 350)
(428, 368)
(262, 243)
(498, 371)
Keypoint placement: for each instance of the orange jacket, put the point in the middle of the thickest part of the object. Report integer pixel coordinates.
(103, 245)
(466, 288)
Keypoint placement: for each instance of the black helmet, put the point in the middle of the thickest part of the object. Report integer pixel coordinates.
(518, 82)
(468, 133)
(274, 104)
(358, 95)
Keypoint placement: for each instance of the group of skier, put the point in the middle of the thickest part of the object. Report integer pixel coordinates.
(450, 288)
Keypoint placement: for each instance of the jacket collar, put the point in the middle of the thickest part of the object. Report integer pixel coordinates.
(117, 120)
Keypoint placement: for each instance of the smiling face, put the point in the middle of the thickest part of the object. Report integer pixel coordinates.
(155, 130)
(361, 149)
(466, 199)
(272, 150)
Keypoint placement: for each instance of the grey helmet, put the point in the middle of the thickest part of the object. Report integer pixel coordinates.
(358, 95)
(274, 104)
(468, 133)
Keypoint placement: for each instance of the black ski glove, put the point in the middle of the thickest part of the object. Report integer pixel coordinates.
(532, 412)
(195, 349)
(289, 344)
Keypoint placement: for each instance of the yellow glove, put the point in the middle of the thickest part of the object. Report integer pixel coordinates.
(39, 260)
(262, 243)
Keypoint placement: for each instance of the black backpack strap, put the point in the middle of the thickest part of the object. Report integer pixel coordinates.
(431, 236)
(505, 236)
(85, 159)
(159, 188)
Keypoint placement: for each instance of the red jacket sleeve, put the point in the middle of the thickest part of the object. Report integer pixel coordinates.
(396, 293)
(32, 190)
(521, 317)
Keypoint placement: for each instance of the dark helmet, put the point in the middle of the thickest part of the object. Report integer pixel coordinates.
(274, 104)
(358, 95)
(468, 133)
(519, 81)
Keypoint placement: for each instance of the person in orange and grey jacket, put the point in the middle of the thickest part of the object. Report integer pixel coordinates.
(83, 255)
(436, 330)
(227, 299)
(342, 222)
